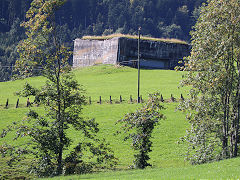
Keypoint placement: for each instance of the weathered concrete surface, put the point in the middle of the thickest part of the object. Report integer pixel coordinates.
(90, 52)
(153, 54)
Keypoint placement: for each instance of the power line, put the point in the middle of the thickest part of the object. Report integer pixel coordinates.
(6, 66)
(11, 67)
(16, 66)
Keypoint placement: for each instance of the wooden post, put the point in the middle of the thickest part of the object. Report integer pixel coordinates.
(182, 98)
(162, 100)
(110, 100)
(131, 100)
(6, 106)
(100, 100)
(172, 98)
(138, 99)
(120, 98)
(28, 102)
(90, 101)
(17, 103)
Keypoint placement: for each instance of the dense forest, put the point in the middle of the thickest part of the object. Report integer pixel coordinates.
(158, 18)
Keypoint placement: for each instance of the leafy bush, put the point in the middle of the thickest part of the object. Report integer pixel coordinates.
(139, 126)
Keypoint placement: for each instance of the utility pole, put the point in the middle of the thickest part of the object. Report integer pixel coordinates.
(139, 29)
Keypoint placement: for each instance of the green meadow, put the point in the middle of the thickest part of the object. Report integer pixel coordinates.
(167, 156)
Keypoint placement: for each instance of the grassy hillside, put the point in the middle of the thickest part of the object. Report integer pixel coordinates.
(226, 169)
(167, 155)
(107, 81)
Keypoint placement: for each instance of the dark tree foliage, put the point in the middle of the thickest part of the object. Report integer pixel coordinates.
(99, 15)
(158, 18)
(8, 50)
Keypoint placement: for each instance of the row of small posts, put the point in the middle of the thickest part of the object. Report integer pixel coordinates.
(117, 102)
(172, 99)
(28, 104)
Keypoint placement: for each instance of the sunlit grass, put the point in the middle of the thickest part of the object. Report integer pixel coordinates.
(226, 169)
(167, 156)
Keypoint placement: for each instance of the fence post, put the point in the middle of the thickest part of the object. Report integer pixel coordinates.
(100, 100)
(28, 102)
(131, 100)
(6, 106)
(17, 103)
(90, 101)
(110, 100)
(120, 98)
(172, 98)
(162, 100)
(141, 100)
(182, 98)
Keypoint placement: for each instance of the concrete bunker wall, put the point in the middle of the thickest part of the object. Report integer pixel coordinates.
(90, 52)
(153, 54)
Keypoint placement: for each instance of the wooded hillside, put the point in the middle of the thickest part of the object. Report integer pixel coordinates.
(158, 18)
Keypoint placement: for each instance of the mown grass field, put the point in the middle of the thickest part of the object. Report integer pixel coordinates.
(167, 156)
(226, 169)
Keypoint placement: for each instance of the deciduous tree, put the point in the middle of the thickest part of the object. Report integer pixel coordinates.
(62, 97)
(139, 126)
(214, 76)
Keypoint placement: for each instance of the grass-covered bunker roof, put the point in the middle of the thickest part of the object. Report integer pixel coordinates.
(133, 37)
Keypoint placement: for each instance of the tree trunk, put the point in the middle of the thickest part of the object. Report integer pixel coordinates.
(236, 128)
(225, 124)
(60, 125)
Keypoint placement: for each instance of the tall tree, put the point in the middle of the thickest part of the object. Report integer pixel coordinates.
(62, 96)
(214, 76)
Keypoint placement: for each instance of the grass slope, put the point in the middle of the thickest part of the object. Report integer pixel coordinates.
(105, 81)
(226, 169)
